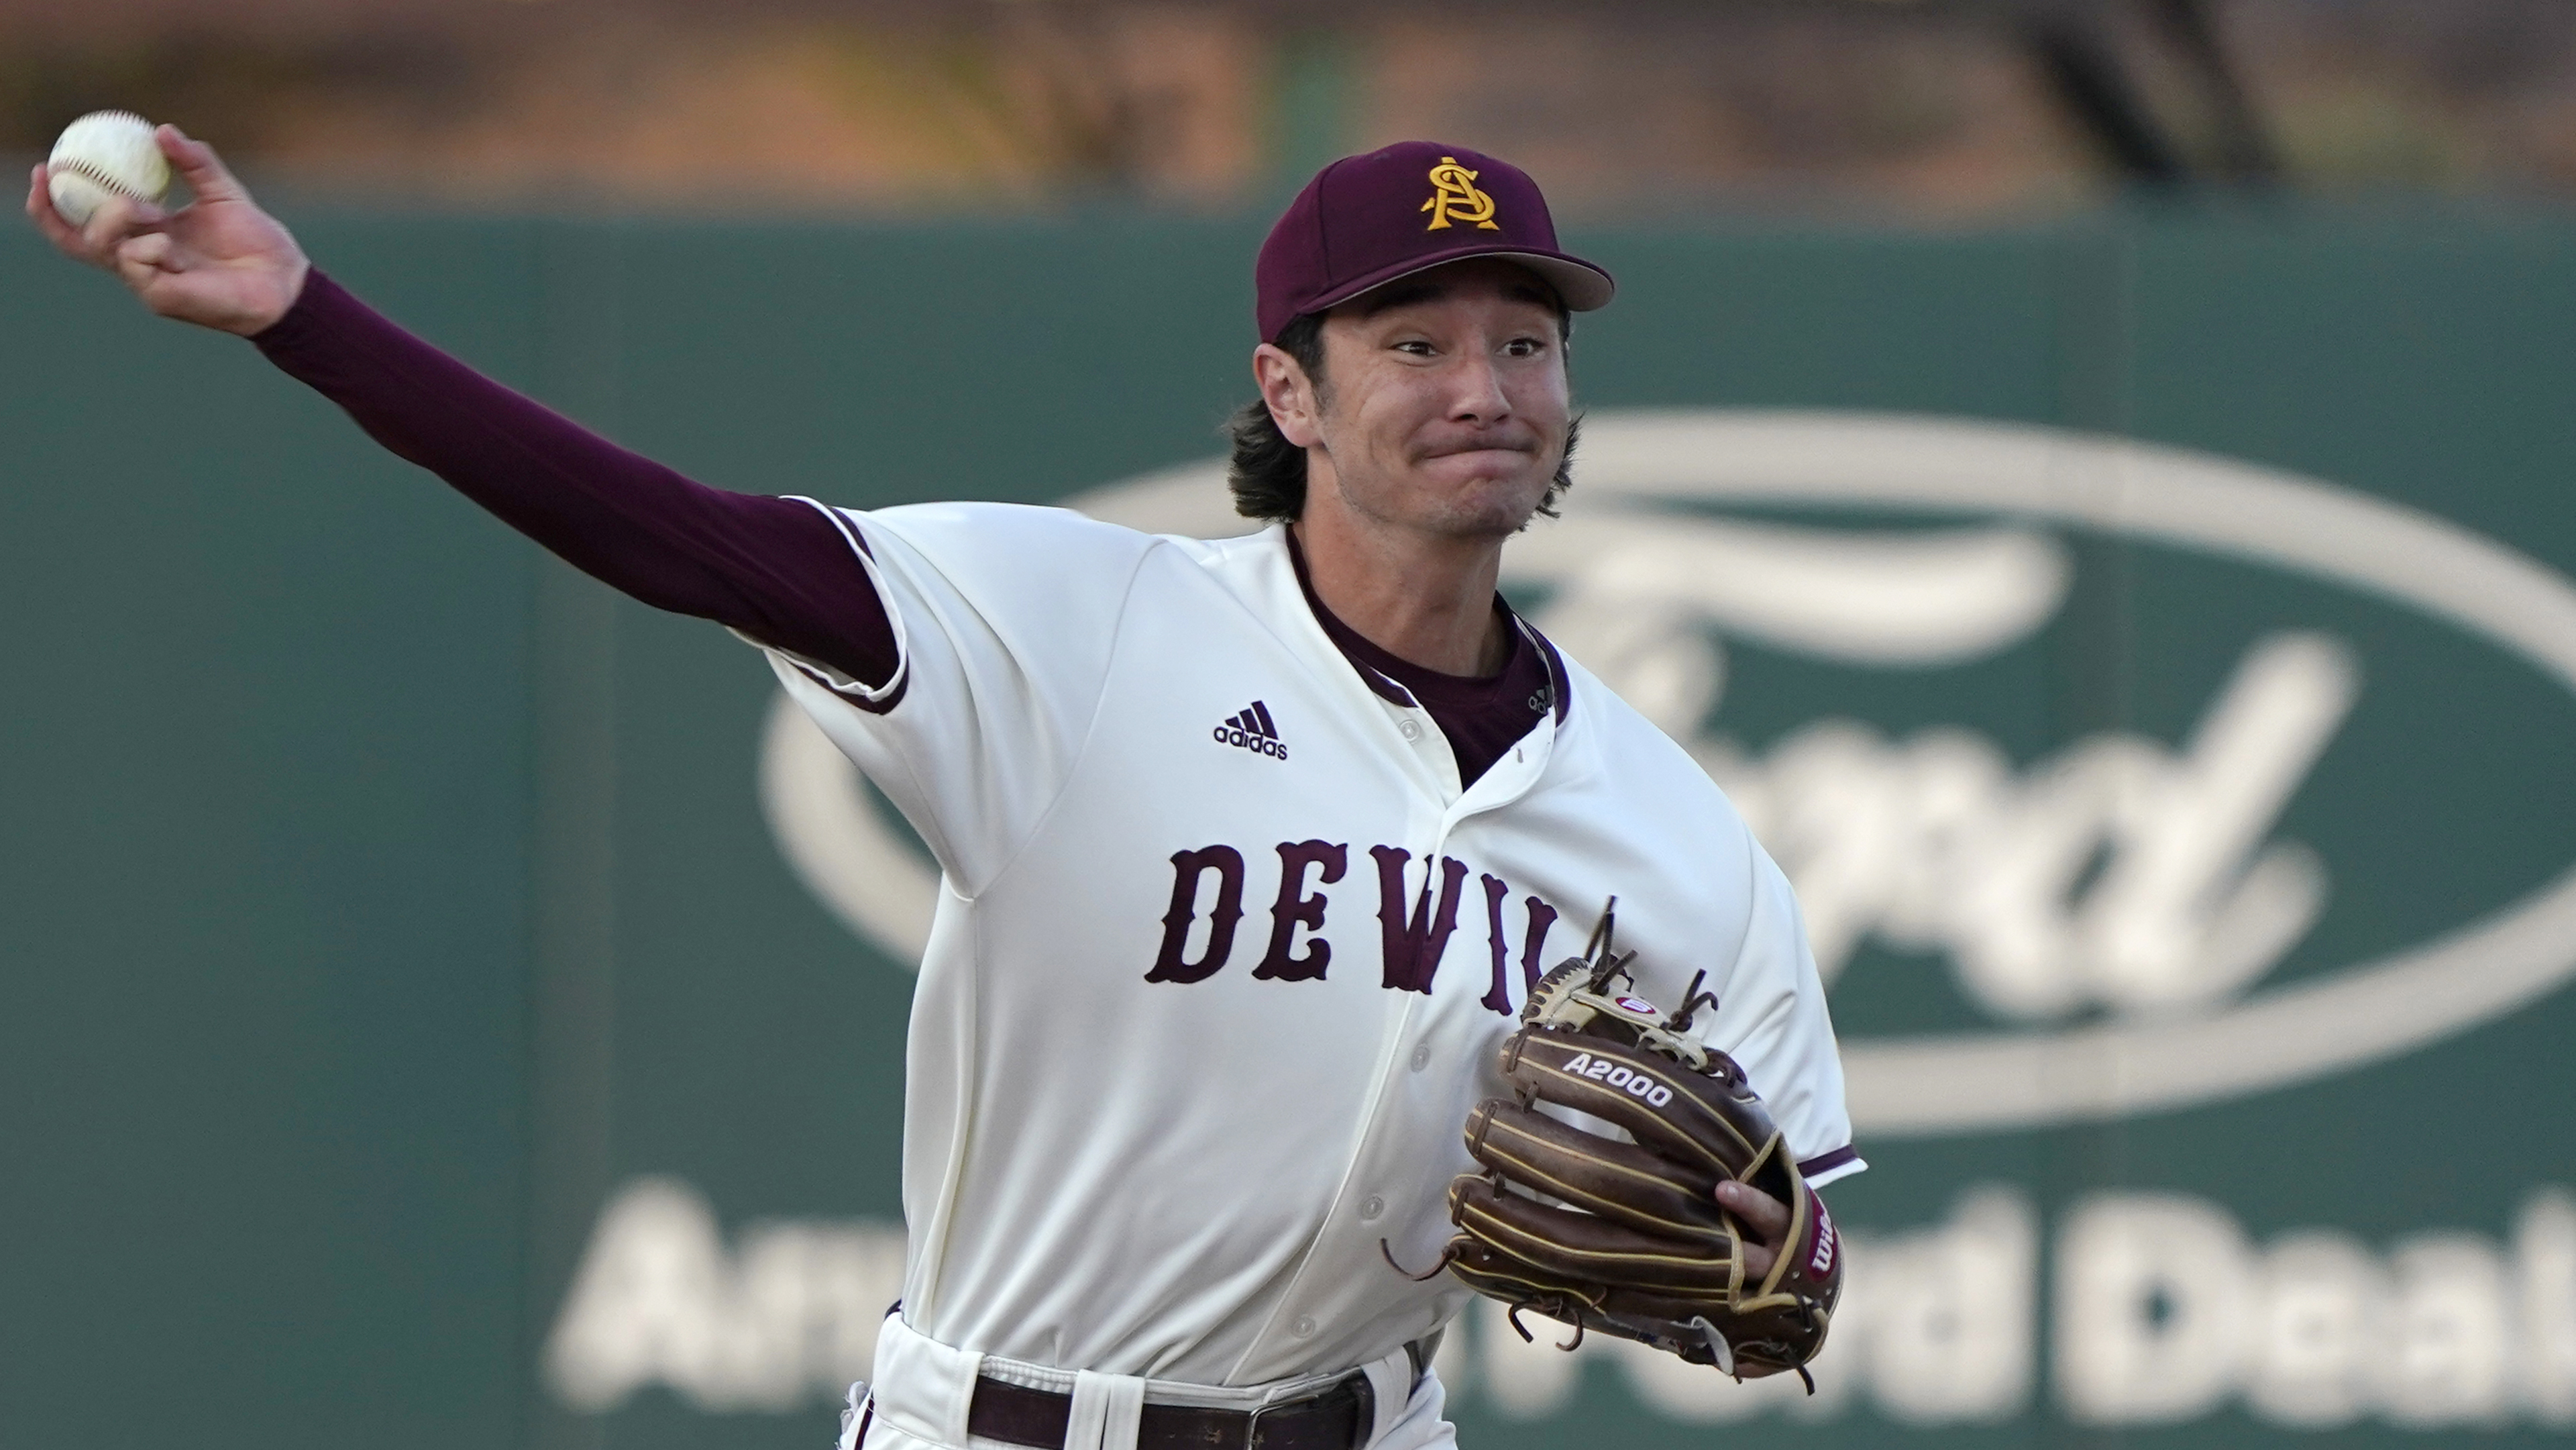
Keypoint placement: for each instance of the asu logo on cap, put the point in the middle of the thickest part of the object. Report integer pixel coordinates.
(1454, 196)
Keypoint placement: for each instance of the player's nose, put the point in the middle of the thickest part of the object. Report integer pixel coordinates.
(1476, 391)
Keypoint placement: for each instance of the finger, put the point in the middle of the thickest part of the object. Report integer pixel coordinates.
(199, 166)
(117, 218)
(40, 210)
(1758, 1261)
(1764, 1217)
(140, 259)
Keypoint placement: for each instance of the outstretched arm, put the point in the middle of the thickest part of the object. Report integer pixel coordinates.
(218, 262)
(776, 569)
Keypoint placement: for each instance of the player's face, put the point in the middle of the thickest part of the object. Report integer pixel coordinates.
(1445, 402)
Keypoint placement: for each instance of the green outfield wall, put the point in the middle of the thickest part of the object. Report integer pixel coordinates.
(435, 1009)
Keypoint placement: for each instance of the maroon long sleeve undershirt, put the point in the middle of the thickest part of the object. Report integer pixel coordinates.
(774, 568)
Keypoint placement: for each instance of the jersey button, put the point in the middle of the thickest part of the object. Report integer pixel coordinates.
(1372, 1207)
(1304, 1328)
(1421, 1056)
(1409, 730)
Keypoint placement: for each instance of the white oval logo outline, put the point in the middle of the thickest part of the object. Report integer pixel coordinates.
(1996, 1081)
(2362, 1012)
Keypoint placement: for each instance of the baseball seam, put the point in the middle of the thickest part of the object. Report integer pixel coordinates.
(89, 171)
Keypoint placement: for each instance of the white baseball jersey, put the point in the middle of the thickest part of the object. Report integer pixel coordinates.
(1223, 953)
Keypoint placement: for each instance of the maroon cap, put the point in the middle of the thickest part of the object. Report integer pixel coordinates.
(1366, 220)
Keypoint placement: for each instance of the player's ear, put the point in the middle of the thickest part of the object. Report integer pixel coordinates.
(1288, 393)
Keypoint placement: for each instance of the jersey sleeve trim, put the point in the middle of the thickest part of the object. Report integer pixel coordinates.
(1825, 1168)
(874, 699)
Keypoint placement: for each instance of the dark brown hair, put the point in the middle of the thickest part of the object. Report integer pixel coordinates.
(1268, 473)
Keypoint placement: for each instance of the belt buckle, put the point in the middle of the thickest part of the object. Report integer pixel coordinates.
(1252, 1427)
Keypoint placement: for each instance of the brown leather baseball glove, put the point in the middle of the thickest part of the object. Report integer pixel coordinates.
(1628, 1237)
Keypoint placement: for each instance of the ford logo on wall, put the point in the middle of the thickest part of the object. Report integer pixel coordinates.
(2121, 916)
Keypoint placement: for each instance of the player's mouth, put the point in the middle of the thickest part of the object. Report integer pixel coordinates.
(1515, 447)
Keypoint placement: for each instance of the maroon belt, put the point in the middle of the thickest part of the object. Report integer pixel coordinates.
(1340, 1418)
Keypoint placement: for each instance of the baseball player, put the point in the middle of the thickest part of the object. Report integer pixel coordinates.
(1251, 851)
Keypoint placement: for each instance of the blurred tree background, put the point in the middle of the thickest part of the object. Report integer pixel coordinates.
(1945, 108)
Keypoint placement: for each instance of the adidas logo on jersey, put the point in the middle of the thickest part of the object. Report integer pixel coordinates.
(1251, 729)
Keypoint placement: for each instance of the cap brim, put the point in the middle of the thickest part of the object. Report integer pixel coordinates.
(1582, 286)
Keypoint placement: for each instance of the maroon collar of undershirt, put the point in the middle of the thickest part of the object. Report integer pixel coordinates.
(1406, 683)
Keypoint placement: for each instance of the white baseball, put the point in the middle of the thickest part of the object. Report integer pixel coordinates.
(105, 154)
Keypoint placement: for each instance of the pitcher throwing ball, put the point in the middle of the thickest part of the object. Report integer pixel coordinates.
(1254, 854)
